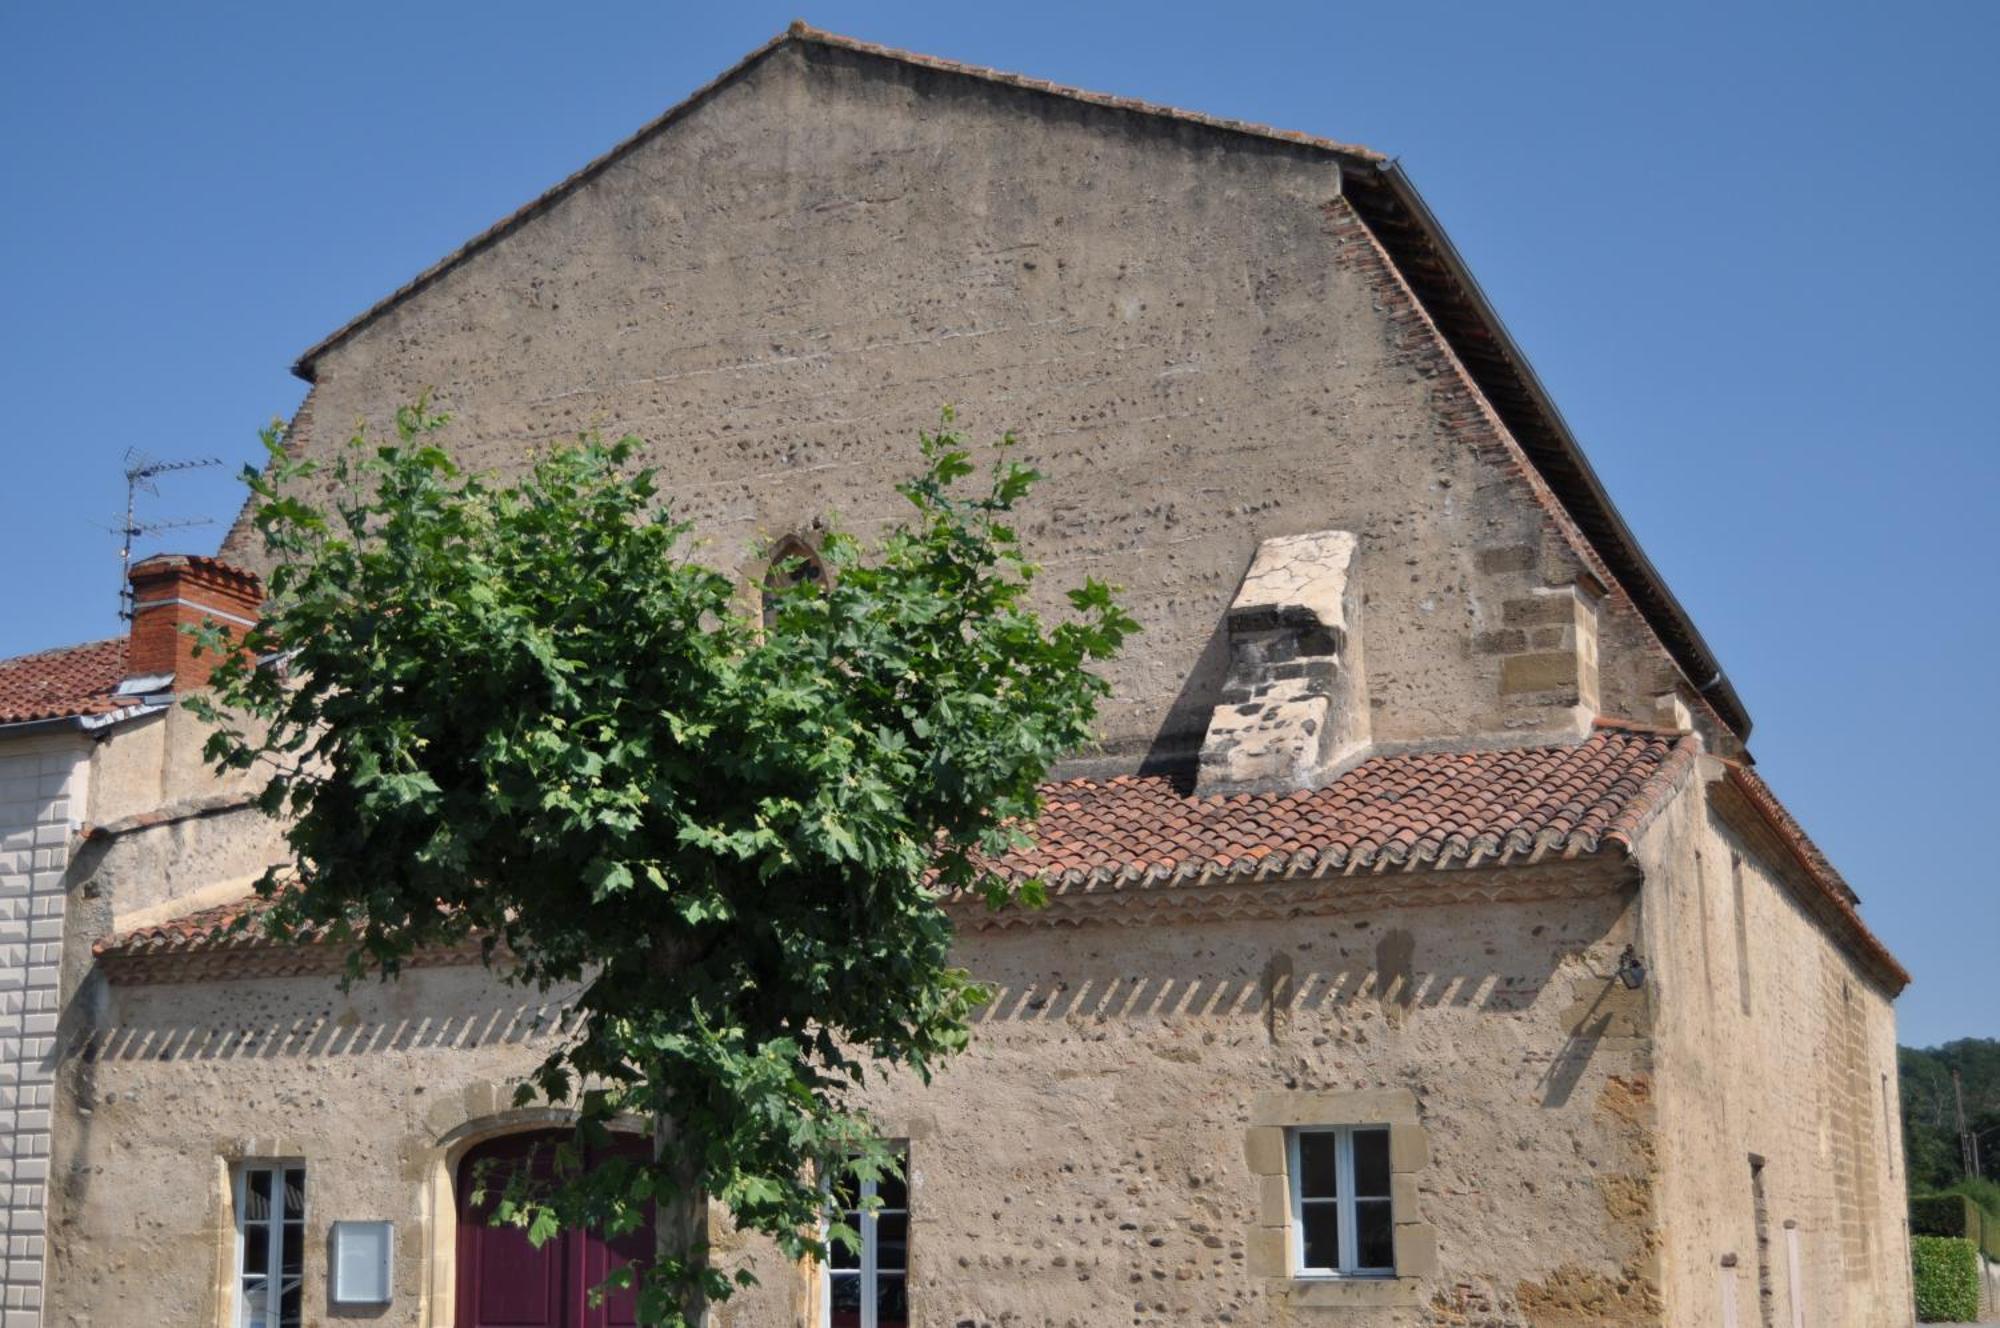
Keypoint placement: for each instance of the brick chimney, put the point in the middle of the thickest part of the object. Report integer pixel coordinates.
(171, 589)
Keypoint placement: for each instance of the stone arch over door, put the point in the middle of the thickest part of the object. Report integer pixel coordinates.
(502, 1280)
(465, 1124)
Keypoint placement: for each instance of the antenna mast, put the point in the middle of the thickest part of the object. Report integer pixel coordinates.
(140, 472)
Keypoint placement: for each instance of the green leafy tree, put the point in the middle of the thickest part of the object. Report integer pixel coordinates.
(1931, 1144)
(523, 716)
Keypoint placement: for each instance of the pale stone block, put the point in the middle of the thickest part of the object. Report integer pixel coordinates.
(1300, 576)
(1366, 1106)
(1274, 1201)
(1416, 1250)
(1352, 1293)
(1547, 672)
(1264, 1150)
(1409, 1147)
(1267, 1254)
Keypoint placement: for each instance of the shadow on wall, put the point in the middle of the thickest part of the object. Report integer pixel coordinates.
(1468, 962)
(1608, 1013)
(153, 1026)
(1176, 745)
(1180, 996)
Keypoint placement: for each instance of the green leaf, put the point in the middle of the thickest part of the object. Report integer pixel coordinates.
(517, 712)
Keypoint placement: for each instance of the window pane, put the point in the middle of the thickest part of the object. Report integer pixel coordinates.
(256, 1251)
(1371, 1164)
(256, 1196)
(844, 1300)
(288, 1313)
(1317, 1177)
(1319, 1234)
(292, 1250)
(838, 1255)
(255, 1302)
(892, 1302)
(893, 1192)
(295, 1193)
(1374, 1234)
(892, 1241)
(846, 1191)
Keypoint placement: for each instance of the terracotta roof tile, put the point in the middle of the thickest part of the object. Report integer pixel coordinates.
(1437, 808)
(63, 683)
(1440, 808)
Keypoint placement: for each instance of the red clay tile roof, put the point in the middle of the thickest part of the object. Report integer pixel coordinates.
(1438, 809)
(62, 683)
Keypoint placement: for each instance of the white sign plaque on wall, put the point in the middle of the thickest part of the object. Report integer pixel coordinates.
(362, 1253)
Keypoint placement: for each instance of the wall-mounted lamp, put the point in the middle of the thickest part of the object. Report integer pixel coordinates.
(1631, 970)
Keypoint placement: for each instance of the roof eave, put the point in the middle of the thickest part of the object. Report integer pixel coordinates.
(1510, 383)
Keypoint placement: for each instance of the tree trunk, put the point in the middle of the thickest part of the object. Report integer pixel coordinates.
(681, 1230)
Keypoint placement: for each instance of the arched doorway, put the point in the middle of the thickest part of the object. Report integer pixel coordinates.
(505, 1282)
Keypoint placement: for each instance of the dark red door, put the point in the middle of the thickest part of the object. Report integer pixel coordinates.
(505, 1282)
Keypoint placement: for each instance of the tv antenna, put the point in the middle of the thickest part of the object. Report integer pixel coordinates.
(141, 470)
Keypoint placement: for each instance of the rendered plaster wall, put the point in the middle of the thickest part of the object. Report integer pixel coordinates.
(1194, 336)
(1772, 1042)
(167, 835)
(44, 797)
(1092, 1159)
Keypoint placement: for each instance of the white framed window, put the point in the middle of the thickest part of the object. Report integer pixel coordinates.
(1342, 1223)
(270, 1244)
(869, 1287)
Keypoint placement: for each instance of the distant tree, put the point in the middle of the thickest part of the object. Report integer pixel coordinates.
(1930, 1130)
(521, 715)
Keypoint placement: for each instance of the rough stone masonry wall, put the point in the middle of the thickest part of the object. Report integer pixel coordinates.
(1097, 1156)
(44, 785)
(1771, 1042)
(1191, 330)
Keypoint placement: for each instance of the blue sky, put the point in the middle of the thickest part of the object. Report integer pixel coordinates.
(1750, 248)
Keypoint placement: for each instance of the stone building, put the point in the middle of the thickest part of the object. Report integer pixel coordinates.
(1423, 949)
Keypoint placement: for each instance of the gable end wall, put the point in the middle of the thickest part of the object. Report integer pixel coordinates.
(1192, 332)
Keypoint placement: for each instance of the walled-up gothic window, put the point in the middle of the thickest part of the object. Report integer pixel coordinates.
(868, 1286)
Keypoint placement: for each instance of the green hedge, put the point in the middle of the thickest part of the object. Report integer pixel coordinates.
(1946, 1215)
(1947, 1277)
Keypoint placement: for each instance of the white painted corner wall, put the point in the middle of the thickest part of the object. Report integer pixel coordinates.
(44, 792)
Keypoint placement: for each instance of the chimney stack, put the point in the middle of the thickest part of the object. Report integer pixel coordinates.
(171, 589)
(1294, 705)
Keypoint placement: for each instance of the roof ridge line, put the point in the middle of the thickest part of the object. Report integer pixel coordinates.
(797, 31)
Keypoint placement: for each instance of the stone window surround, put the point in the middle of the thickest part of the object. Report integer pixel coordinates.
(1272, 1116)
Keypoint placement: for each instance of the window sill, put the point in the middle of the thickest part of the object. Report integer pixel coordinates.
(1352, 1292)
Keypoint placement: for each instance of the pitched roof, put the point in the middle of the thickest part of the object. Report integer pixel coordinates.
(1827, 892)
(1433, 809)
(1412, 809)
(1395, 213)
(64, 683)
